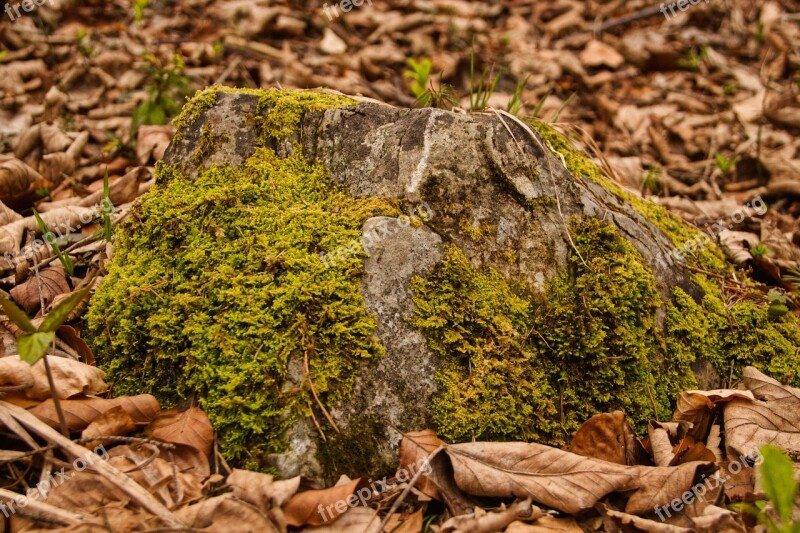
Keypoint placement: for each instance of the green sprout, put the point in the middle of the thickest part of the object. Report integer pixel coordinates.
(724, 164)
(48, 236)
(759, 250)
(418, 72)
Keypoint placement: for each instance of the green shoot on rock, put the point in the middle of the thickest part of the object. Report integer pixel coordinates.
(418, 72)
(479, 92)
(515, 104)
(48, 236)
(777, 473)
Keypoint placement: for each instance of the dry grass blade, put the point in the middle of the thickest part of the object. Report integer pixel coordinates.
(47, 511)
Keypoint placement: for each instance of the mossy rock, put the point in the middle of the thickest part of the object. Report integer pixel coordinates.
(308, 259)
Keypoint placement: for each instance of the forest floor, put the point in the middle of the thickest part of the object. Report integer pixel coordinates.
(696, 108)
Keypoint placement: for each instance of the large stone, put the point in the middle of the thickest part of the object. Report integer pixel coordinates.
(520, 292)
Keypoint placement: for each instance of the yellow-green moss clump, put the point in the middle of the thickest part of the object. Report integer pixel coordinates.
(218, 292)
(707, 256)
(522, 367)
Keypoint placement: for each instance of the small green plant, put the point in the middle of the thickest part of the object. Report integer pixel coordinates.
(777, 473)
(167, 89)
(33, 343)
(106, 209)
(793, 276)
(3, 53)
(82, 42)
(481, 90)
(724, 164)
(138, 10)
(419, 73)
(778, 304)
(561, 109)
(759, 250)
(515, 104)
(652, 180)
(693, 59)
(730, 89)
(442, 98)
(48, 236)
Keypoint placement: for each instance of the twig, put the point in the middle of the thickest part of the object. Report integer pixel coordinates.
(62, 421)
(314, 392)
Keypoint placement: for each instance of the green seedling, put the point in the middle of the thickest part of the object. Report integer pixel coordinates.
(652, 180)
(480, 92)
(515, 104)
(106, 208)
(167, 89)
(48, 236)
(33, 343)
(693, 59)
(419, 73)
(780, 488)
(759, 250)
(724, 164)
(138, 10)
(778, 304)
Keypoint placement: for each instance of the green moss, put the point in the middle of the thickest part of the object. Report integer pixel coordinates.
(217, 289)
(288, 107)
(542, 202)
(206, 143)
(493, 386)
(707, 256)
(594, 344)
(202, 100)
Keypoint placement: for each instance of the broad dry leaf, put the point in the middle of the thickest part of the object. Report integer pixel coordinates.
(115, 422)
(53, 281)
(18, 181)
(63, 220)
(481, 521)
(415, 448)
(8, 215)
(718, 520)
(318, 507)
(79, 413)
(157, 475)
(609, 437)
(411, 524)
(545, 524)
(695, 407)
(71, 377)
(54, 167)
(192, 434)
(774, 418)
(628, 522)
(355, 520)
(562, 480)
(53, 139)
(74, 341)
(152, 141)
(225, 513)
(261, 490)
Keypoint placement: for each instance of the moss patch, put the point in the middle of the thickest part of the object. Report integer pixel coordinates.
(707, 256)
(519, 368)
(218, 292)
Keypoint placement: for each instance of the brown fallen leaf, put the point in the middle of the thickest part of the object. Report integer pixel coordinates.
(773, 418)
(415, 448)
(318, 507)
(355, 520)
(563, 480)
(695, 407)
(480, 521)
(192, 434)
(79, 413)
(225, 513)
(18, 181)
(152, 141)
(609, 437)
(262, 490)
(410, 524)
(52, 280)
(114, 422)
(619, 521)
(71, 377)
(63, 220)
(74, 341)
(546, 524)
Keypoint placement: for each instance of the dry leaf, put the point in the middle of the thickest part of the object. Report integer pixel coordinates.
(774, 418)
(71, 377)
(355, 520)
(191, 432)
(79, 413)
(17, 182)
(480, 521)
(53, 280)
(152, 141)
(63, 220)
(114, 422)
(415, 448)
(225, 513)
(694, 407)
(546, 524)
(609, 437)
(318, 507)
